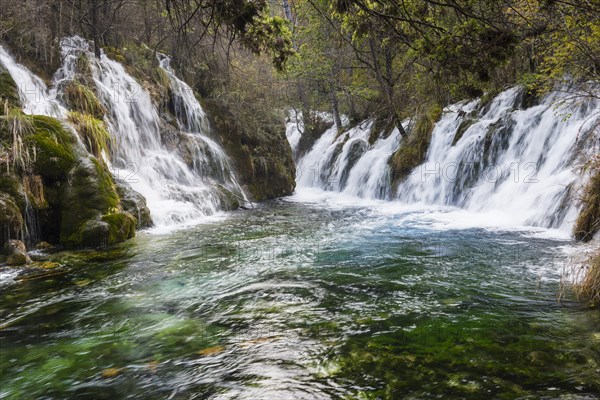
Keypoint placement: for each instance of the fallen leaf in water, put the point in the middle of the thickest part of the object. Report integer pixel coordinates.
(83, 282)
(209, 351)
(111, 372)
(252, 342)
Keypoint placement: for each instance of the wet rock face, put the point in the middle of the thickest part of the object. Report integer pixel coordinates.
(135, 204)
(11, 220)
(262, 159)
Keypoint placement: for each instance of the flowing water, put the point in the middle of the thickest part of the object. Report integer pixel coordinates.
(305, 299)
(512, 164)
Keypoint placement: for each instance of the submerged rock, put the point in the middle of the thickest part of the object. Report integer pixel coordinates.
(43, 246)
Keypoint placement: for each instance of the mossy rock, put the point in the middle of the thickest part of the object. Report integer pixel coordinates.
(109, 229)
(121, 226)
(413, 148)
(11, 219)
(12, 185)
(55, 148)
(229, 200)
(135, 204)
(8, 91)
(91, 193)
(262, 159)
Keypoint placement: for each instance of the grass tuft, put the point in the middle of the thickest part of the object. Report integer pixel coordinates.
(588, 287)
(14, 127)
(92, 131)
(588, 221)
(80, 98)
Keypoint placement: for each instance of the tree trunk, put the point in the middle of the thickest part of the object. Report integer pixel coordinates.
(95, 35)
(335, 109)
(386, 85)
(288, 11)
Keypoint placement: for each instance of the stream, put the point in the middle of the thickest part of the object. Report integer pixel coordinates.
(309, 297)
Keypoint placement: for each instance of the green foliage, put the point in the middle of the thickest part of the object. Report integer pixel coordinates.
(271, 34)
(92, 131)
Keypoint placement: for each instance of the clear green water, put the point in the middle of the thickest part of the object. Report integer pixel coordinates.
(297, 301)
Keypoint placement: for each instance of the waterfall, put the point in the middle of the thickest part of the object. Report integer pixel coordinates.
(179, 189)
(209, 159)
(520, 164)
(37, 99)
(176, 192)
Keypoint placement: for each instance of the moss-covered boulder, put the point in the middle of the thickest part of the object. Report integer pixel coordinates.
(109, 229)
(12, 185)
(11, 219)
(413, 148)
(90, 194)
(54, 148)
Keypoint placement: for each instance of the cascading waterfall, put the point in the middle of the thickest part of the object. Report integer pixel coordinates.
(209, 159)
(176, 192)
(37, 99)
(520, 164)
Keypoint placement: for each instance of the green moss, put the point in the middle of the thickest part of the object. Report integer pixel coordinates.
(54, 148)
(92, 131)
(8, 92)
(104, 231)
(414, 147)
(115, 54)
(262, 158)
(80, 98)
(90, 195)
(121, 226)
(462, 128)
